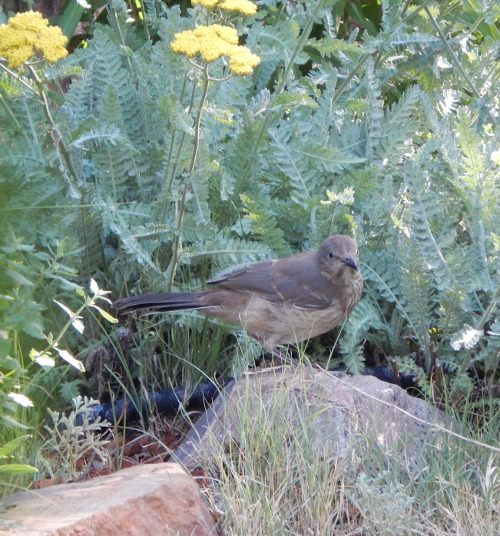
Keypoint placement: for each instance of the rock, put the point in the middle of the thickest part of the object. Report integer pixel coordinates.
(145, 500)
(336, 412)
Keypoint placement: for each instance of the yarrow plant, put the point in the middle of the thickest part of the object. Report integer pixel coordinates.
(214, 41)
(25, 35)
(28, 32)
(211, 42)
(242, 6)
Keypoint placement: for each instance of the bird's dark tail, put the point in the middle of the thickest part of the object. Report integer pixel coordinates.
(163, 301)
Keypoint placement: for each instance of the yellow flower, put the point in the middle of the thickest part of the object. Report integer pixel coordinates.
(26, 32)
(30, 20)
(213, 42)
(226, 33)
(185, 43)
(243, 6)
(242, 61)
(209, 4)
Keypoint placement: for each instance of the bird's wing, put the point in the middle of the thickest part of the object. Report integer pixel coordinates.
(294, 280)
(299, 282)
(255, 278)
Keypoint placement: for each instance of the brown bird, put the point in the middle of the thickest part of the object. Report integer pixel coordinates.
(282, 301)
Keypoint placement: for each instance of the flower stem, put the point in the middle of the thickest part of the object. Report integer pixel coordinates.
(167, 188)
(56, 134)
(182, 205)
(279, 89)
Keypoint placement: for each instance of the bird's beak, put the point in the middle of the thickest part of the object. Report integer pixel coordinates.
(349, 261)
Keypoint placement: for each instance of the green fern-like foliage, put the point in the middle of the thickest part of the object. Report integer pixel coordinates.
(338, 130)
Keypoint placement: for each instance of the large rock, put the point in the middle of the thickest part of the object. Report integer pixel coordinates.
(338, 414)
(145, 500)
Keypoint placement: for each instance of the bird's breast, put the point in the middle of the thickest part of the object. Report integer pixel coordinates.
(274, 324)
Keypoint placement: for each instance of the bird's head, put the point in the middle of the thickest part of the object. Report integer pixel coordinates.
(338, 253)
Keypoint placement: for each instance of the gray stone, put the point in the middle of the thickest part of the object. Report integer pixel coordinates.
(337, 413)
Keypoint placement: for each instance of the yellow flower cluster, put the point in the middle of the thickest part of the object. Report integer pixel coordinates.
(242, 6)
(26, 32)
(209, 4)
(213, 42)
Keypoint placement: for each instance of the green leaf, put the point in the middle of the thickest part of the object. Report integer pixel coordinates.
(17, 469)
(106, 315)
(9, 363)
(94, 287)
(64, 354)
(13, 445)
(9, 421)
(16, 276)
(67, 310)
(70, 17)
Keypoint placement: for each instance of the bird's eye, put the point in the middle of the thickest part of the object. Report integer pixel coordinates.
(330, 255)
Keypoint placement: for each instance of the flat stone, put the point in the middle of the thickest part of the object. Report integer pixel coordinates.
(145, 500)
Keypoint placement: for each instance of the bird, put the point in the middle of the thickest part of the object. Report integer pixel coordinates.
(278, 302)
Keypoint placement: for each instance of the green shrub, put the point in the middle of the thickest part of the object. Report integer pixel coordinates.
(126, 163)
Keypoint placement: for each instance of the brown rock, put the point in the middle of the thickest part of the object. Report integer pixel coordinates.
(145, 500)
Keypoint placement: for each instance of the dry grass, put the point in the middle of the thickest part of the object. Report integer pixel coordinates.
(273, 481)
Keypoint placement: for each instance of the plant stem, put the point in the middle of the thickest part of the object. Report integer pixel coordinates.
(182, 205)
(280, 87)
(346, 82)
(18, 78)
(12, 117)
(197, 122)
(414, 11)
(452, 54)
(171, 150)
(480, 325)
(58, 141)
